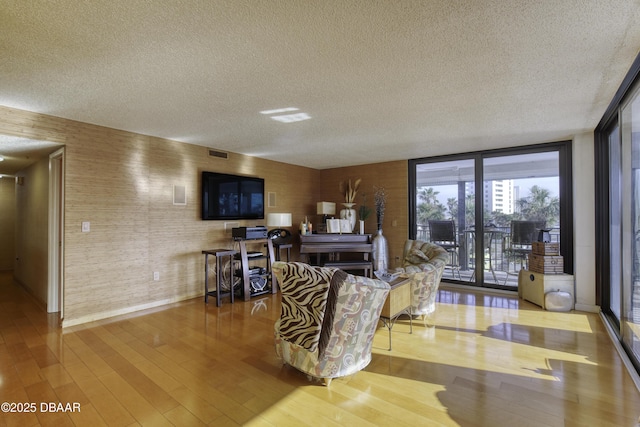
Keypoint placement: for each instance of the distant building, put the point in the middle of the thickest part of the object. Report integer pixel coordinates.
(500, 196)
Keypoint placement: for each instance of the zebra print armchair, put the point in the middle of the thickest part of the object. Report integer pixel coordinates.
(328, 319)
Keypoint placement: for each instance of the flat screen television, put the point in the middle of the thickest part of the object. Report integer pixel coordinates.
(226, 196)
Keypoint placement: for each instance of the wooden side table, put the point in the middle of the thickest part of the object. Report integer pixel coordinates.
(219, 254)
(398, 302)
(277, 249)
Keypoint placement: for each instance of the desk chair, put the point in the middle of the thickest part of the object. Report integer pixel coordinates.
(443, 234)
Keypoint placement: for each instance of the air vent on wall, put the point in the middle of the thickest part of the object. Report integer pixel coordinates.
(219, 154)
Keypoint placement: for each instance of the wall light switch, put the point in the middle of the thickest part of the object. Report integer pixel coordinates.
(229, 226)
(156, 275)
(86, 226)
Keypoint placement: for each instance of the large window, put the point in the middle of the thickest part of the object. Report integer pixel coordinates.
(496, 203)
(617, 148)
(615, 215)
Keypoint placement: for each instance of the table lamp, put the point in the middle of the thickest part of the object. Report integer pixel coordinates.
(279, 235)
(325, 209)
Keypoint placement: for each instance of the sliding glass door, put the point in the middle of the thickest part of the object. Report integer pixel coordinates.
(615, 222)
(497, 202)
(617, 208)
(444, 200)
(629, 187)
(520, 198)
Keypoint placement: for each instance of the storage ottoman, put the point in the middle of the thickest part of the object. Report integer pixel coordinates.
(534, 286)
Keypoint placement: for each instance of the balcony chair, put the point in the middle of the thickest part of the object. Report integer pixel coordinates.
(443, 234)
(521, 237)
(328, 319)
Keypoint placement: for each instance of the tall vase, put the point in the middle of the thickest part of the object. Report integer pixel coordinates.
(380, 252)
(349, 213)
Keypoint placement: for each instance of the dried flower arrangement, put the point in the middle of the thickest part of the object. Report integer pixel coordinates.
(380, 197)
(351, 191)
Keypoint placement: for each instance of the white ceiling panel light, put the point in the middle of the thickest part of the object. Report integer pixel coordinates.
(279, 110)
(290, 118)
(286, 118)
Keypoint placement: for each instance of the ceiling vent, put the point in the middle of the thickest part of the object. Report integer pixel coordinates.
(219, 154)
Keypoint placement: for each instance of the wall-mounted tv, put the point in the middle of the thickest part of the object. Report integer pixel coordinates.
(226, 196)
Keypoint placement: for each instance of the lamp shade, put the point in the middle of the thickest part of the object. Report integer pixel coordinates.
(326, 208)
(279, 220)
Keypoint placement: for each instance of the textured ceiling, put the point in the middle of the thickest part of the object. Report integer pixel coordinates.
(382, 80)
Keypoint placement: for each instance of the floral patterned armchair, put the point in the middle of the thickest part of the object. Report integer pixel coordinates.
(424, 263)
(328, 319)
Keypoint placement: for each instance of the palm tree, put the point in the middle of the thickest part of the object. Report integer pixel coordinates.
(452, 206)
(430, 208)
(428, 195)
(501, 219)
(540, 206)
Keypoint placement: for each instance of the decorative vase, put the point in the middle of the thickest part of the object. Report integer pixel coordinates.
(380, 252)
(349, 213)
(361, 227)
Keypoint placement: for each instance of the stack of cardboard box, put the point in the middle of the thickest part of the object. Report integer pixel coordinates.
(545, 258)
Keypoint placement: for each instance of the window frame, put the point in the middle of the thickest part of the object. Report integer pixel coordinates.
(610, 119)
(565, 187)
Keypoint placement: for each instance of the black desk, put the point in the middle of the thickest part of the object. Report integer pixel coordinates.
(246, 260)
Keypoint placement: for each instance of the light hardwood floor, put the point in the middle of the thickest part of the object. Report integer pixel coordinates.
(490, 360)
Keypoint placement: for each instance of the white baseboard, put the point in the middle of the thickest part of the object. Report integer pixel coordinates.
(106, 314)
(588, 308)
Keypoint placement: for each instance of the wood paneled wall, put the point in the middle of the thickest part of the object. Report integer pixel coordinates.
(393, 177)
(122, 184)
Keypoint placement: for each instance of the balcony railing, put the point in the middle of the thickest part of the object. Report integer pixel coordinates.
(499, 266)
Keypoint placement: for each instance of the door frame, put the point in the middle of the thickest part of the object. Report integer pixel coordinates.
(55, 289)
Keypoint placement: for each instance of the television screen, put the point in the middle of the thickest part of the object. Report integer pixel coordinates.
(226, 196)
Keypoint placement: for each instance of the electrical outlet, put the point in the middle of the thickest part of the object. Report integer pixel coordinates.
(156, 276)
